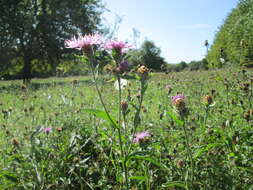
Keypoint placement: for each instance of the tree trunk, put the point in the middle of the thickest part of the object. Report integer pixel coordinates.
(27, 69)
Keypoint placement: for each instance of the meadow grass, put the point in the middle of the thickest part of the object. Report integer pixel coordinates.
(82, 151)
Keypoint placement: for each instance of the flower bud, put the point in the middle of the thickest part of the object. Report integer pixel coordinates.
(180, 163)
(207, 100)
(124, 66)
(179, 102)
(124, 106)
(15, 142)
(142, 70)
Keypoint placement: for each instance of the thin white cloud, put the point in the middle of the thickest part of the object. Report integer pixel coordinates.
(194, 26)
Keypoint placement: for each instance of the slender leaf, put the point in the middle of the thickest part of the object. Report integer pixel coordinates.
(205, 149)
(140, 178)
(151, 160)
(175, 184)
(176, 119)
(102, 115)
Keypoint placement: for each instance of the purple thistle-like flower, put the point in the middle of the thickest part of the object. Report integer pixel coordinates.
(140, 136)
(124, 66)
(47, 130)
(177, 97)
(82, 42)
(119, 46)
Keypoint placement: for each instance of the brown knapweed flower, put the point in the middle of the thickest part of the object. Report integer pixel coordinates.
(179, 103)
(207, 100)
(142, 70)
(14, 142)
(124, 106)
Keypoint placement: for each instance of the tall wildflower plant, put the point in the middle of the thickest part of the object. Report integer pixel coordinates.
(180, 106)
(120, 68)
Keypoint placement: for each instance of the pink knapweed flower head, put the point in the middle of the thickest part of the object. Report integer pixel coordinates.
(178, 97)
(47, 130)
(83, 42)
(116, 45)
(138, 137)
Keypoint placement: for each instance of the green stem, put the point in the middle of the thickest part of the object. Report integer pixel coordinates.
(98, 91)
(108, 115)
(120, 137)
(189, 155)
(137, 114)
(206, 115)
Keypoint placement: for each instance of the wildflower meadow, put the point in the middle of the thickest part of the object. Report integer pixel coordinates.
(127, 127)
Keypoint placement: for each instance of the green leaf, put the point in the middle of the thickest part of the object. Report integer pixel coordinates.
(175, 184)
(113, 79)
(205, 149)
(140, 178)
(82, 58)
(176, 119)
(9, 176)
(149, 159)
(129, 77)
(102, 115)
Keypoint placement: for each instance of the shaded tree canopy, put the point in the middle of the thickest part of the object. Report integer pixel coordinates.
(233, 43)
(32, 32)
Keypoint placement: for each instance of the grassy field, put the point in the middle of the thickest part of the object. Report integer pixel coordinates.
(210, 148)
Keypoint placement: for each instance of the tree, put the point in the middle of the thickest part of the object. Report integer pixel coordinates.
(148, 55)
(32, 32)
(233, 42)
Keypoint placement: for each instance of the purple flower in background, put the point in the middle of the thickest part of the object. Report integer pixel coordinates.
(118, 46)
(47, 130)
(124, 66)
(140, 136)
(177, 98)
(82, 42)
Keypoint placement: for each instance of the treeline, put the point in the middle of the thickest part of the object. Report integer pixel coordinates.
(183, 66)
(32, 34)
(233, 44)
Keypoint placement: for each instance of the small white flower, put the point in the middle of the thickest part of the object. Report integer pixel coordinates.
(123, 84)
(222, 60)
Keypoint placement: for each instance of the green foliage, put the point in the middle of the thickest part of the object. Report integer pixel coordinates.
(148, 55)
(233, 44)
(182, 66)
(32, 33)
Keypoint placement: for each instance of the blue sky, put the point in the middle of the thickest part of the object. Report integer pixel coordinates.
(178, 27)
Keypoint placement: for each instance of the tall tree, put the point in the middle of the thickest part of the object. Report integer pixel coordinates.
(149, 55)
(32, 32)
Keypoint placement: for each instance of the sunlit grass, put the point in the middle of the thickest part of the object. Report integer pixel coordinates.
(79, 152)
